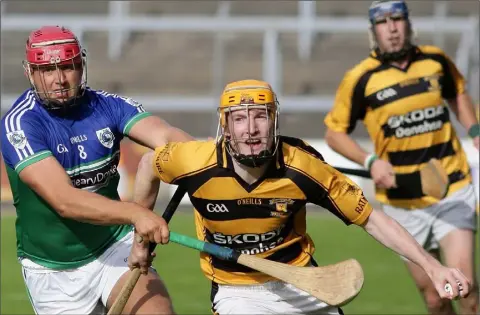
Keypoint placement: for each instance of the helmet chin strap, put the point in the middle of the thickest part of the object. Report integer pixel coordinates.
(51, 104)
(395, 56)
(255, 160)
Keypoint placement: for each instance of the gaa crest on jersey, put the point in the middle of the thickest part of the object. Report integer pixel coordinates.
(281, 204)
(106, 137)
(17, 139)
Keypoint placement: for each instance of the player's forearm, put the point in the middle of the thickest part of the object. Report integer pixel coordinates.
(177, 135)
(146, 183)
(88, 207)
(343, 144)
(391, 234)
(463, 108)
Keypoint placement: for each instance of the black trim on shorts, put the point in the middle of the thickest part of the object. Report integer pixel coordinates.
(213, 292)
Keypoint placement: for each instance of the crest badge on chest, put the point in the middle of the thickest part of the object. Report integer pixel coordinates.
(106, 137)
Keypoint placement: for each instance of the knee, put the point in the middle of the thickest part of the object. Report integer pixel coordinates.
(433, 301)
(469, 304)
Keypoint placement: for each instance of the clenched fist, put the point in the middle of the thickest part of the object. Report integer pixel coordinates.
(151, 227)
(383, 174)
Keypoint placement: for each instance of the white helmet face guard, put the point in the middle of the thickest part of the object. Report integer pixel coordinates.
(270, 141)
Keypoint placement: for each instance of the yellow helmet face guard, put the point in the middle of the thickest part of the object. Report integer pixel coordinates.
(247, 95)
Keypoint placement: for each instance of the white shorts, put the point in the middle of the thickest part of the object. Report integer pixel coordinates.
(274, 297)
(84, 290)
(429, 225)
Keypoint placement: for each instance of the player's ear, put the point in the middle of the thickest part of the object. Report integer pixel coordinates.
(371, 37)
(412, 32)
(28, 72)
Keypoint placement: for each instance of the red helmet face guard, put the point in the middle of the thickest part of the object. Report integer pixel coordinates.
(50, 51)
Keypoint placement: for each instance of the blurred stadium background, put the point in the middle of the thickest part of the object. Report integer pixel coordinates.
(176, 56)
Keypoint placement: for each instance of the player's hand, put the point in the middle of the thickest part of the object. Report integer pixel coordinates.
(383, 174)
(140, 256)
(450, 283)
(151, 227)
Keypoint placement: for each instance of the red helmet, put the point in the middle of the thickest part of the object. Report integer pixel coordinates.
(52, 44)
(55, 45)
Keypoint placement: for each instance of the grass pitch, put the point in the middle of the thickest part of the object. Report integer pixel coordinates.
(387, 290)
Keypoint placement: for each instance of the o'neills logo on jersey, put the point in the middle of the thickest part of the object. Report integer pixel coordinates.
(249, 201)
(106, 137)
(416, 122)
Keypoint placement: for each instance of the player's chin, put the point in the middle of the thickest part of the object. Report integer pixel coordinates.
(396, 48)
(60, 98)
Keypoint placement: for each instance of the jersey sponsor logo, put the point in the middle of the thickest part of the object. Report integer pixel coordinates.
(211, 207)
(251, 243)
(61, 148)
(417, 122)
(106, 137)
(17, 138)
(386, 93)
(78, 139)
(98, 177)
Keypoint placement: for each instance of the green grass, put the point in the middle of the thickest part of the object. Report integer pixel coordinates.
(388, 289)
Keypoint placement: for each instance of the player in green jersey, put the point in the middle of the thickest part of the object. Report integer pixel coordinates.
(61, 147)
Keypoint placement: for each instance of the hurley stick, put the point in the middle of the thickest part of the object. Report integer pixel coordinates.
(124, 295)
(335, 284)
(433, 178)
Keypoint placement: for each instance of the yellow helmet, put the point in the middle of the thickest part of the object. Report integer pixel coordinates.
(246, 95)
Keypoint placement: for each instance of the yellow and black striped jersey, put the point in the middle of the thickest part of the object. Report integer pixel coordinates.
(267, 218)
(406, 117)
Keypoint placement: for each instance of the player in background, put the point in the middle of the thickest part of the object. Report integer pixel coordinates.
(61, 147)
(249, 189)
(399, 92)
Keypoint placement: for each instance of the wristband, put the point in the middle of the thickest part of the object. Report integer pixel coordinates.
(474, 131)
(369, 160)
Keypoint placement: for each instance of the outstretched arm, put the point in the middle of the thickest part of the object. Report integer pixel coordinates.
(463, 108)
(154, 132)
(391, 234)
(81, 205)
